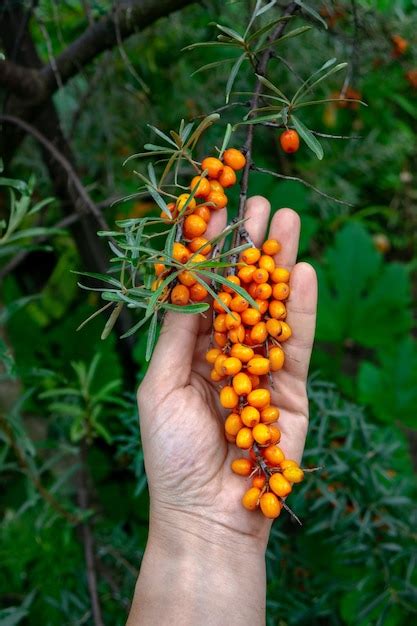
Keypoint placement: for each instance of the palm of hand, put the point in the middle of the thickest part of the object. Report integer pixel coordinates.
(187, 457)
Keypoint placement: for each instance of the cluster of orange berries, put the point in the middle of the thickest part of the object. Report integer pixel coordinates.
(248, 349)
(210, 191)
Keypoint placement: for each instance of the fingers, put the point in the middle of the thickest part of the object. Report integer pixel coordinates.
(216, 224)
(257, 216)
(301, 317)
(285, 227)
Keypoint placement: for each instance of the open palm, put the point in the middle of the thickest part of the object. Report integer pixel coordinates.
(186, 455)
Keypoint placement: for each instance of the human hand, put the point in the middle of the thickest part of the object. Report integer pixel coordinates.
(187, 458)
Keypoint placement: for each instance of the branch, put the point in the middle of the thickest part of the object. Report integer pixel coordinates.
(22, 81)
(87, 203)
(123, 21)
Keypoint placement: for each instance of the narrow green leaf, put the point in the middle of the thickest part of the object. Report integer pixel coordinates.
(231, 33)
(267, 27)
(226, 139)
(162, 135)
(306, 134)
(198, 307)
(233, 74)
(112, 320)
(151, 336)
(293, 33)
(210, 66)
(272, 87)
(312, 12)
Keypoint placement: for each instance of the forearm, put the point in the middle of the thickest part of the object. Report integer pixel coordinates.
(193, 574)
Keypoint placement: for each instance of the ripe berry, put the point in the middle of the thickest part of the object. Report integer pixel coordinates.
(228, 177)
(218, 199)
(275, 434)
(267, 263)
(260, 276)
(229, 398)
(244, 438)
(194, 226)
(239, 304)
(286, 463)
(213, 166)
(220, 323)
(182, 201)
(220, 339)
(259, 482)
(200, 244)
(234, 159)
(180, 252)
(231, 366)
(242, 384)
(255, 380)
(262, 292)
(280, 291)
(236, 335)
(270, 505)
(262, 305)
(198, 293)
(293, 474)
(280, 275)
(250, 416)
(274, 455)
(187, 278)
(250, 499)
(241, 352)
(212, 354)
(269, 414)
(218, 363)
(273, 327)
(250, 256)
(233, 424)
(246, 273)
(231, 280)
(271, 247)
(279, 485)
(225, 298)
(250, 317)
(259, 398)
(203, 189)
(242, 467)
(180, 295)
(203, 211)
(290, 141)
(232, 320)
(259, 366)
(285, 332)
(277, 310)
(262, 434)
(259, 332)
(215, 377)
(159, 268)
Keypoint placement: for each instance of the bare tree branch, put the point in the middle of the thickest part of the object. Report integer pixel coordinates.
(22, 81)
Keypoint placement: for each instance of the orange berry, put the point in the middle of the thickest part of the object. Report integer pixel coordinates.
(250, 416)
(231, 366)
(286, 463)
(246, 273)
(250, 256)
(274, 455)
(262, 305)
(259, 482)
(250, 499)
(218, 199)
(262, 434)
(197, 244)
(242, 384)
(259, 332)
(277, 310)
(216, 186)
(228, 397)
(259, 398)
(232, 320)
(203, 211)
(267, 263)
(234, 159)
(230, 438)
(241, 352)
(198, 293)
(212, 354)
(233, 424)
(213, 166)
(242, 467)
(173, 210)
(159, 268)
(260, 276)
(180, 295)
(263, 291)
(231, 280)
(275, 434)
(270, 505)
(281, 291)
(218, 363)
(228, 177)
(187, 278)
(250, 317)
(255, 380)
(244, 438)
(156, 284)
(293, 474)
(225, 298)
(236, 335)
(239, 304)
(247, 339)
(219, 323)
(215, 377)
(280, 275)
(180, 253)
(285, 332)
(198, 258)
(273, 327)
(194, 226)
(203, 189)
(271, 247)
(220, 339)
(182, 201)
(290, 141)
(259, 366)
(269, 414)
(279, 485)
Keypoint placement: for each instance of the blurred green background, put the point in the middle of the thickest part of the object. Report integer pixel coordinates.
(70, 444)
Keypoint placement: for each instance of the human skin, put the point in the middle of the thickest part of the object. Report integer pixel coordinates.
(204, 563)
